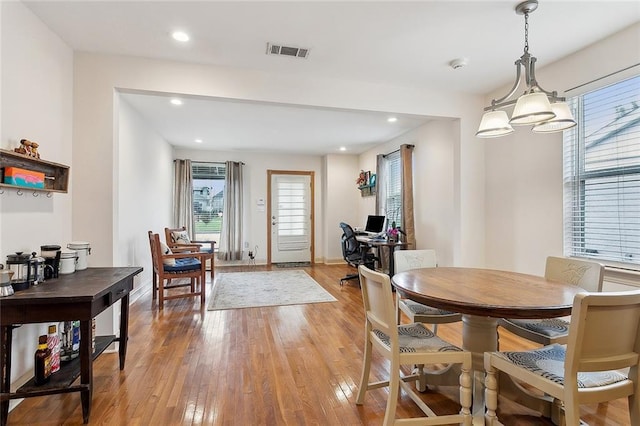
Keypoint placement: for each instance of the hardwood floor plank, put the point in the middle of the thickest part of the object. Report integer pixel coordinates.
(286, 365)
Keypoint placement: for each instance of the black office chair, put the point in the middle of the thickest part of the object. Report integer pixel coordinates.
(354, 253)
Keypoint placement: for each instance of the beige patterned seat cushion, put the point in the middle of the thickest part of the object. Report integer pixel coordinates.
(548, 362)
(417, 338)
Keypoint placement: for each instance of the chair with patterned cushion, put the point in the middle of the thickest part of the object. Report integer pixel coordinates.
(603, 342)
(416, 312)
(405, 345)
(169, 266)
(583, 273)
(179, 240)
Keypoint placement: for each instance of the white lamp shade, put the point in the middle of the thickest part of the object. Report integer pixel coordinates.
(494, 124)
(562, 121)
(532, 108)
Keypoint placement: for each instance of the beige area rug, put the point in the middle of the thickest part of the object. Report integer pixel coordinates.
(236, 290)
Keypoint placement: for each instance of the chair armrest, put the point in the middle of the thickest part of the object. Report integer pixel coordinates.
(202, 242)
(185, 247)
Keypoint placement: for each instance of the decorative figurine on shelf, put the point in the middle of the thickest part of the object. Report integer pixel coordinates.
(28, 148)
(362, 179)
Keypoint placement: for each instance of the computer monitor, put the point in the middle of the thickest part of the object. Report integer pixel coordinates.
(375, 224)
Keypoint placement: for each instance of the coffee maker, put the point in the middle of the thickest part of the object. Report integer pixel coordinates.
(20, 264)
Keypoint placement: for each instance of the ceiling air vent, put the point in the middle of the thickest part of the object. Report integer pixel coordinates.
(296, 52)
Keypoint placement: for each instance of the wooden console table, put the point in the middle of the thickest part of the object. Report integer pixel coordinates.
(78, 296)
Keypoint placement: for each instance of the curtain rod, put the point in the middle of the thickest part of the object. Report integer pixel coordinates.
(602, 78)
(210, 162)
(397, 150)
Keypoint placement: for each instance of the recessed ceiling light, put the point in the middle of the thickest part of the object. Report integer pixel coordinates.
(198, 140)
(176, 102)
(343, 148)
(180, 36)
(392, 119)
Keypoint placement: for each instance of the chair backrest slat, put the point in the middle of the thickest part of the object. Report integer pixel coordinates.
(406, 260)
(378, 301)
(604, 333)
(156, 251)
(586, 274)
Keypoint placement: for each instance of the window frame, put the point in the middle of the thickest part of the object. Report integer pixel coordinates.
(583, 185)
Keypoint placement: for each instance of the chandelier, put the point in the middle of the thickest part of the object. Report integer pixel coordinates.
(546, 111)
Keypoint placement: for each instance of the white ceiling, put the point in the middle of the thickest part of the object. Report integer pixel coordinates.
(388, 42)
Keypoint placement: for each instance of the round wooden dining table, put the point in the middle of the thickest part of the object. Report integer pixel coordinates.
(483, 296)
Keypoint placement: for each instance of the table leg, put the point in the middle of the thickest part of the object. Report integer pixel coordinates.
(392, 262)
(6, 337)
(124, 330)
(86, 368)
(479, 335)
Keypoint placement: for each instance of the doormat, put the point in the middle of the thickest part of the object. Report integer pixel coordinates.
(293, 264)
(237, 290)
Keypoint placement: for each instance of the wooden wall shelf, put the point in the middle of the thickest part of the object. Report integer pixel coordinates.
(367, 190)
(56, 175)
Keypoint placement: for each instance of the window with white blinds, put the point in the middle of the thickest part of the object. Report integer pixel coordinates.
(208, 199)
(602, 175)
(393, 189)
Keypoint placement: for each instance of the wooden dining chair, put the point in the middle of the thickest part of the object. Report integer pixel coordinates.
(416, 312)
(604, 338)
(586, 274)
(179, 240)
(405, 345)
(169, 266)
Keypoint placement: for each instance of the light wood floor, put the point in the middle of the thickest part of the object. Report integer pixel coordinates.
(288, 365)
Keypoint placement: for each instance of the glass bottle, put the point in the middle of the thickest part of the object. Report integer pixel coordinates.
(53, 342)
(42, 365)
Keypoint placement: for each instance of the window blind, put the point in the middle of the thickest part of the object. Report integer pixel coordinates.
(393, 185)
(602, 175)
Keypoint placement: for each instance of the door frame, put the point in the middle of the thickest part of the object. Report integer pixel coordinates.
(312, 236)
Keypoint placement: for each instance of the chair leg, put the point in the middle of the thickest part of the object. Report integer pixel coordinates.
(421, 383)
(366, 367)
(203, 286)
(491, 396)
(154, 284)
(466, 394)
(634, 408)
(394, 391)
(161, 294)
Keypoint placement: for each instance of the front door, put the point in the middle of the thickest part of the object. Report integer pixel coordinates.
(290, 215)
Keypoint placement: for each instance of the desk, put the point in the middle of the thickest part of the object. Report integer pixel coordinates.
(78, 296)
(378, 244)
(482, 296)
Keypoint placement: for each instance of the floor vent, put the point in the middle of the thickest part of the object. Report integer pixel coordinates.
(296, 52)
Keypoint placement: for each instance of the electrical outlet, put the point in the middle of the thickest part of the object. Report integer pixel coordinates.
(246, 244)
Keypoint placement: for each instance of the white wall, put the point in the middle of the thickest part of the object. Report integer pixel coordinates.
(434, 182)
(255, 178)
(524, 170)
(341, 201)
(97, 76)
(37, 79)
(145, 182)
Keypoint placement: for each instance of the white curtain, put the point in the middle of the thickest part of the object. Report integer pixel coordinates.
(230, 247)
(183, 196)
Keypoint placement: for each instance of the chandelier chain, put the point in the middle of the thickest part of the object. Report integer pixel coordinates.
(526, 32)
